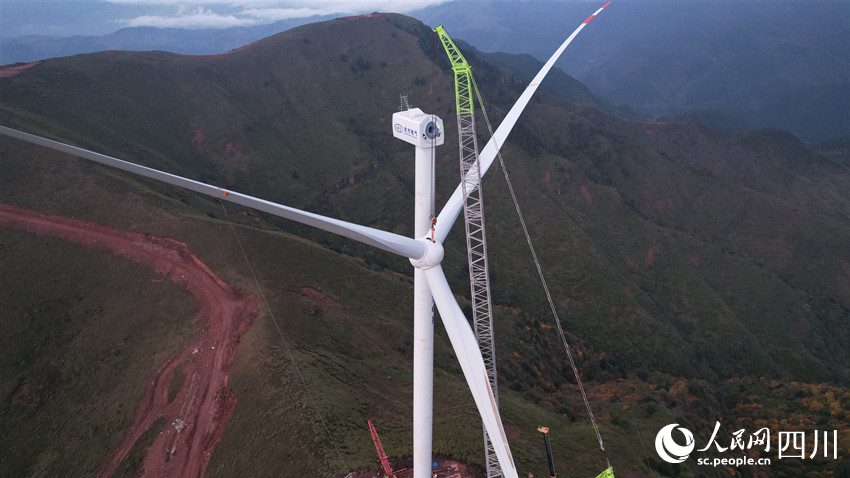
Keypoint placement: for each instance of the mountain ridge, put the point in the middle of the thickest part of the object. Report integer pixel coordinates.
(776, 65)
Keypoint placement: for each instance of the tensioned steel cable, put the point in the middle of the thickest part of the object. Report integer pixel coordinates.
(282, 338)
(543, 281)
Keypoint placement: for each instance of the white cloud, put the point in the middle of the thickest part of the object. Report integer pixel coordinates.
(194, 14)
(322, 6)
(275, 14)
(195, 18)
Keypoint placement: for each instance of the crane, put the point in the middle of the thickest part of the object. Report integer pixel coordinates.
(476, 243)
(385, 462)
(473, 211)
(607, 473)
(550, 460)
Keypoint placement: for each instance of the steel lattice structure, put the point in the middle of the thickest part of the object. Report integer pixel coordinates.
(476, 238)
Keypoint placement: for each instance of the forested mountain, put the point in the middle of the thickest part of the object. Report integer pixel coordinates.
(701, 275)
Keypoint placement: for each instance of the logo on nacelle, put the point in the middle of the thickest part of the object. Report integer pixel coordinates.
(406, 131)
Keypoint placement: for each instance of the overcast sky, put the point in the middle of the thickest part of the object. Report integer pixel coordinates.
(99, 17)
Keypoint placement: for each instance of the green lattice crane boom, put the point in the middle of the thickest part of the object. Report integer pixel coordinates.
(473, 211)
(462, 71)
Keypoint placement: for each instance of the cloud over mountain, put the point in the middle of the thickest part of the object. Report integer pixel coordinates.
(217, 14)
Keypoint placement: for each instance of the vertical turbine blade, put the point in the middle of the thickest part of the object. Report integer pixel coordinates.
(454, 205)
(472, 363)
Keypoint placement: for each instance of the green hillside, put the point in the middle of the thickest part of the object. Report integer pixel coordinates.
(696, 271)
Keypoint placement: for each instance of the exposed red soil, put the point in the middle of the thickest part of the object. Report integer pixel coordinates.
(15, 70)
(649, 258)
(197, 415)
(368, 15)
(320, 299)
(547, 179)
(586, 194)
(22, 395)
(445, 469)
(232, 149)
(198, 137)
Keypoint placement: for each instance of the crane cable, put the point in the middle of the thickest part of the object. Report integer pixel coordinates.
(543, 279)
(282, 338)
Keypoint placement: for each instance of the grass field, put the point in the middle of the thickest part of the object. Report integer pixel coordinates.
(87, 356)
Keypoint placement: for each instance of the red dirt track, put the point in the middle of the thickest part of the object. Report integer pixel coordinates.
(196, 416)
(11, 71)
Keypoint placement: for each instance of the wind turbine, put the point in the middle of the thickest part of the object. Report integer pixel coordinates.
(424, 250)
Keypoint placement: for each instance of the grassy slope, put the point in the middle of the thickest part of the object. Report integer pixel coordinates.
(85, 356)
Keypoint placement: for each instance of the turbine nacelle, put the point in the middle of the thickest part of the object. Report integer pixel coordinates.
(417, 128)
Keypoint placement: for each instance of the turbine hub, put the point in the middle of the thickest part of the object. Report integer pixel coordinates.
(433, 255)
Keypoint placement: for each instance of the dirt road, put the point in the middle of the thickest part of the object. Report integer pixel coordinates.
(196, 415)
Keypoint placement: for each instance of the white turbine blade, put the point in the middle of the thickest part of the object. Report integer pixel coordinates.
(451, 210)
(387, 241)
(472, 363)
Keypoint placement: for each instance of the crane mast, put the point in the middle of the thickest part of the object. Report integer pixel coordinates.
(473, 211)
(385, 462)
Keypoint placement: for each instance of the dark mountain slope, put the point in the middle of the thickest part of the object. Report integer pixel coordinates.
(676, 253)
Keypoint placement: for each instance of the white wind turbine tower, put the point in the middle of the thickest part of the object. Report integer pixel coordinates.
(424, 251)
